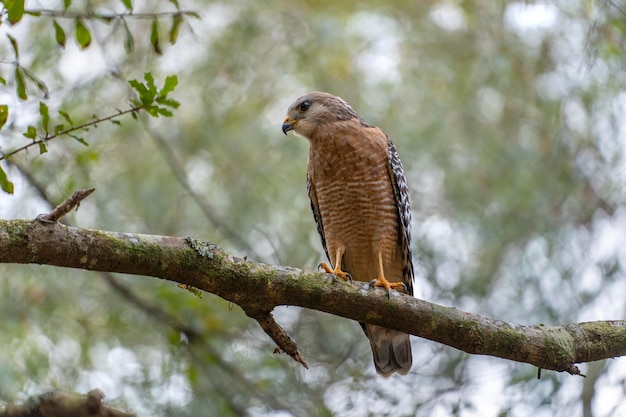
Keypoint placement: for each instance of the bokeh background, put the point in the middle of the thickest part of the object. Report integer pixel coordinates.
(509, 117)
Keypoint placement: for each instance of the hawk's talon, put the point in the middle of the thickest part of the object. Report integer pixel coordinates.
(337, 272)
(374, 281)
(388, 286)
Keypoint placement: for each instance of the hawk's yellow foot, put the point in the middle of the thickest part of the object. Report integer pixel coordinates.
(337, 272)
(388, 286)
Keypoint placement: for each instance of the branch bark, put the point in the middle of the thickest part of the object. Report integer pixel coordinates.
(58, 403)
(257, 288)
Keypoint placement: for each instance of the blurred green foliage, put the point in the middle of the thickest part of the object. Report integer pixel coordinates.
(509, 119)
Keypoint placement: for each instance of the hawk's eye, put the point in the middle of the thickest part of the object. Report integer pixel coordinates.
(305, 106)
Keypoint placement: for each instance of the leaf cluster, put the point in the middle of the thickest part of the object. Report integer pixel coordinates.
(15, 11)
(154, 101)
(151, 99)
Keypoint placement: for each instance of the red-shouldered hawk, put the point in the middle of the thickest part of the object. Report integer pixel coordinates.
(360, 202)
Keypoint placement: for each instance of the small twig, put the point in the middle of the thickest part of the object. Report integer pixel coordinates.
(573, 370)
(69, 130)
(278, 335)
(66, 206)
(109, 16)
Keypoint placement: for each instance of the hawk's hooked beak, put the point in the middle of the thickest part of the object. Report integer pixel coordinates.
(287, 125)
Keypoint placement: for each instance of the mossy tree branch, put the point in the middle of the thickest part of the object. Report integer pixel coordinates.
(68, 404)
(257, 288)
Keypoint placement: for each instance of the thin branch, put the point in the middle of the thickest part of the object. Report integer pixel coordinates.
(278, 335)
(67, 14)
(257, 287)
(69, 130)
(66, 206)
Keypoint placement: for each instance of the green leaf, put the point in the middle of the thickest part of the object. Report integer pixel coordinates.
(170, 84)
(59, 34)
(31, 132)
(136, 85)
(79, 139)
(20, 83)
(191, 289)
(45, 116)
(58, 129)
(4, 115)
(128, 4)
(177, 20)
(67, 4)
(14, 45)
(144, 94)
(154, 37)
(149, 81)
(151, 110)
(66, 116)
(175, 3)
(83, 36)
(5, 184)
(147, 91)
(40, 84)
(169, 102)
(42, 147)
(3, 81)
(105, 19)
(164, 112)
(129, 42)
(15, 10)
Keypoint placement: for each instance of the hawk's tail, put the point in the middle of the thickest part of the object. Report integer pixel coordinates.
(391, 350)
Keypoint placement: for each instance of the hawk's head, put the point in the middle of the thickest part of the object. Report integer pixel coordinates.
(312, 110)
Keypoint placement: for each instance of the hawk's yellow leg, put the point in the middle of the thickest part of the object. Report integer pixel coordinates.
(381, 281)
(337, 272)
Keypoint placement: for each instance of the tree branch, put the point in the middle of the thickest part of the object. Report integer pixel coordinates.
(108, 16)
(49, 136)
(257, 288)
(278, 335)
(66, 206)
(57, 403)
